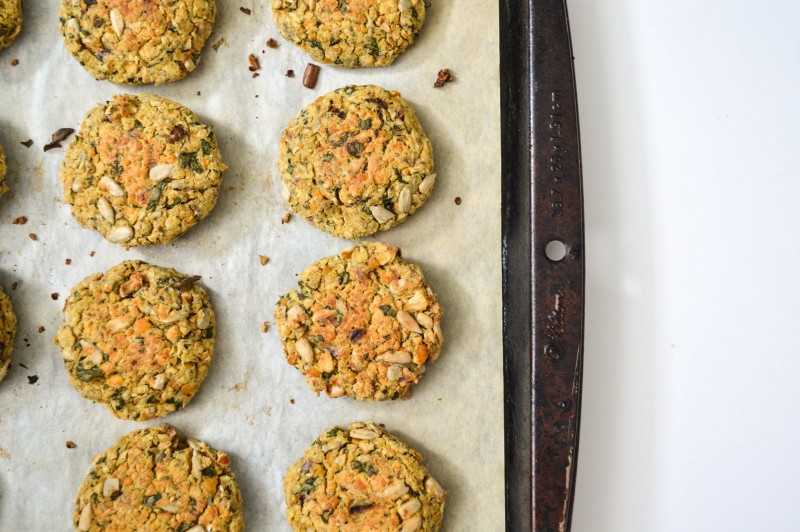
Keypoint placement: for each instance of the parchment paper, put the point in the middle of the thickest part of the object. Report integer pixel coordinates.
(455, 415)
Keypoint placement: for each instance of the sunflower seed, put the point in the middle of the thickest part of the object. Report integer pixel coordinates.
(106, 210)
(194, 444)
(363, 434)
(438, 330)
(424, 320)
(117, 324)
(434, 487)
(409, 508)
(120, 234)
(85, 520)
(395, 357)
(413, 524)
(395, 491)
(172, 507)
(160, 380)
(160, 172)
(305, 350)
(296, 316)
(285, 192)
(312, 4)
(117, 22)
(404, 200)
(427, 184)
(197, 528)
(73, 26)
(204, 318)
(110, 186)
(110, 486)
(394, 373)
(418, 301)
(381, 214)
(77, 184)
(402, 5)
(408, 321)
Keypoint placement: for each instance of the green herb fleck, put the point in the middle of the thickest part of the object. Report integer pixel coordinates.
(87, 374)
(205, 146)
(388, 310)
(306, 486)
(334, 431)
(355, 148)
(151, 500)
(189, 160)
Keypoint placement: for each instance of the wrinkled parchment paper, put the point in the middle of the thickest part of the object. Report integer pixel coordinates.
(455, 415)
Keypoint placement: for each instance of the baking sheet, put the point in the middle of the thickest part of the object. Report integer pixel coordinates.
(253, 404)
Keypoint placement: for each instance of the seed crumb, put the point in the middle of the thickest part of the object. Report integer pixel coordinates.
(263, 259)
(91, 254)
(458, 200)
(41, 329)
(291, 400)
(289, 73)
(33, 236)
(20, 220)
(68, 262)
(14, 285)
(70, 444)
(198, 93)
(23, 365)
(14, 62)
(57, 137)
(272, 43)
(255, 75)
(254, 65)
(32, 379)
(310, 76)
(264, 327)
(445, 76)
(54, 295)
(219, 43)
(286, 218)
(245, 10)
(28, 143)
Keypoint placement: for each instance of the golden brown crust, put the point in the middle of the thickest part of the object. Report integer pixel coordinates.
(153, 479)
(138, 339)
(362, 478)
(137, 41)
(142, 170)
(10, 21)
(362, 324)
(3, 171)
(350, 33)
(356, 161)
(8, 329)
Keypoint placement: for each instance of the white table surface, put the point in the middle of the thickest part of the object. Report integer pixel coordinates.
(690, 128)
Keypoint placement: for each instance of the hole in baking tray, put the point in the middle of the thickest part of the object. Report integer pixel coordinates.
(555, 250)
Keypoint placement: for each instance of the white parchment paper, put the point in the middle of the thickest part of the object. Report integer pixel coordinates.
(455, 415)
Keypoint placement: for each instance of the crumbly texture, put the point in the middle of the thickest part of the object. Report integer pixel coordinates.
(362, 478)
(137, 41)
(138, 339)
(153, 479)
(10, 21)
(361, 324)
(350, 33)
(142, 170)
(8, 328)
(356, 161)
(3, 170)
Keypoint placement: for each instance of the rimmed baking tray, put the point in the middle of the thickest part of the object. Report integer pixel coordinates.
(543, 264)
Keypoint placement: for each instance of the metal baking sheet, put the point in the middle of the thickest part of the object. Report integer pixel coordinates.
(253, 404)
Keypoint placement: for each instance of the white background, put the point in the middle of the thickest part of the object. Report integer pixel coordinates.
(690, 126)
